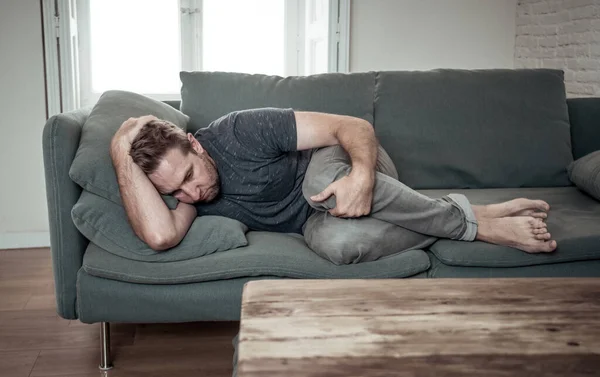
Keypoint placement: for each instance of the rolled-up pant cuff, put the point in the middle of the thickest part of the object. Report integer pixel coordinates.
(471, 222)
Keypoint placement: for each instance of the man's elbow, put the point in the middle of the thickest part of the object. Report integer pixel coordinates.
(366, 126)
(160, 241)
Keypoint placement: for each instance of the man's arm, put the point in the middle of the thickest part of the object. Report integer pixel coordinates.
(354, 193)
(152, 221)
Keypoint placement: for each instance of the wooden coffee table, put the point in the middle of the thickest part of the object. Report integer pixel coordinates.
(417, 327)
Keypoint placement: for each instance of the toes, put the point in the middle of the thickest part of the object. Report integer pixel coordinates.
(543, 236)
(540, 231)
(536, 223)
(548, 246)
(541, 246)
(532, 213)
(541, 205)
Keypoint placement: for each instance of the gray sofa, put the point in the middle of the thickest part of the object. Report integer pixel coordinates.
(492, 135)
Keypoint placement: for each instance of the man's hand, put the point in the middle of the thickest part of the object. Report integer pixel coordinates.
(353, 195)
(130, 128)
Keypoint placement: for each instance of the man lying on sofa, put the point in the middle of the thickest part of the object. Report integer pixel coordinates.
(282, 170)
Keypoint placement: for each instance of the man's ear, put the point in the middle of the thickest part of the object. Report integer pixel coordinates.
(195, 144)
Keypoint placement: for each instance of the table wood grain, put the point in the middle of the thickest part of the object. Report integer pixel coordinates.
(419, 327)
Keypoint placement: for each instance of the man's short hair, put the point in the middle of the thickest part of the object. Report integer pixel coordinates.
(154, 140)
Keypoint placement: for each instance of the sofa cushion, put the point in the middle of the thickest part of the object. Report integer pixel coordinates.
(585, 268)
(206, 96)
(105, 224)
(573, 222)
(267, 254)
(92, 167)
(585, 173)
(585, 128)
(475, 129)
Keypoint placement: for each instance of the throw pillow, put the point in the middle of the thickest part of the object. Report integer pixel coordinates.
(585, 173)
(105, 224)
(92, 167)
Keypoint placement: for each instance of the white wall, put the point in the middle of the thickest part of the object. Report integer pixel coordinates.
(23, 211)
(564, 35)
(428, 34)
(385, 35)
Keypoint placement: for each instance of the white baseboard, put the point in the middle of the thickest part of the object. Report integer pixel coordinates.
(22, 240)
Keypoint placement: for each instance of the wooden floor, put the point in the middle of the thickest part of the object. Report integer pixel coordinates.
(36, 342)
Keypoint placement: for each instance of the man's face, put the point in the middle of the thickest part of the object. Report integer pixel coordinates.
(190, 178)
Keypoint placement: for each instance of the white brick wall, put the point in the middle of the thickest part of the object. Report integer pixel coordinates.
(562, 34)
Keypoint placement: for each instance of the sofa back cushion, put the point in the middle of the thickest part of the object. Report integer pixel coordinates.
(475, 129)
(206, 96)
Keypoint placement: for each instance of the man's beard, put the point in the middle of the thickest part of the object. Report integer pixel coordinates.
(213, 175)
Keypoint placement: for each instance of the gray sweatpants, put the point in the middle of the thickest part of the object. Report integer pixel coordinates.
(401, 218)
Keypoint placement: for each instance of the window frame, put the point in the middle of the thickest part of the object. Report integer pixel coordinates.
(68, 56)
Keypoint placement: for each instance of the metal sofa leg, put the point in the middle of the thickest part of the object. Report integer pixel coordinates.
(105, 359)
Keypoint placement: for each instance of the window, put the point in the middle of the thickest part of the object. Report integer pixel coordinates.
(141, 45)
(136, 48)
(249, 40)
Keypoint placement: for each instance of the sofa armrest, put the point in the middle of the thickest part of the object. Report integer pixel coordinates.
(584, 116)
(174, 103)
(60, 141)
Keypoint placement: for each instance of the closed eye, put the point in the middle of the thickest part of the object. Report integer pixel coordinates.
(189, 175)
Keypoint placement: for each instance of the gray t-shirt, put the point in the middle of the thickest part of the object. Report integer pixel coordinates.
(261, 171)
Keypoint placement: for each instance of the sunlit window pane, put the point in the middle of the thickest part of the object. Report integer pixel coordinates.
(243, 36)
(135, 45)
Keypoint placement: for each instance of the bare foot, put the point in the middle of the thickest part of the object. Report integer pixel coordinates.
(515, 207)
(522, 232)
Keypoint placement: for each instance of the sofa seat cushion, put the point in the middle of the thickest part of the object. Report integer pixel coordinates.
(573, 221)
(585, 268)
(267, 254)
